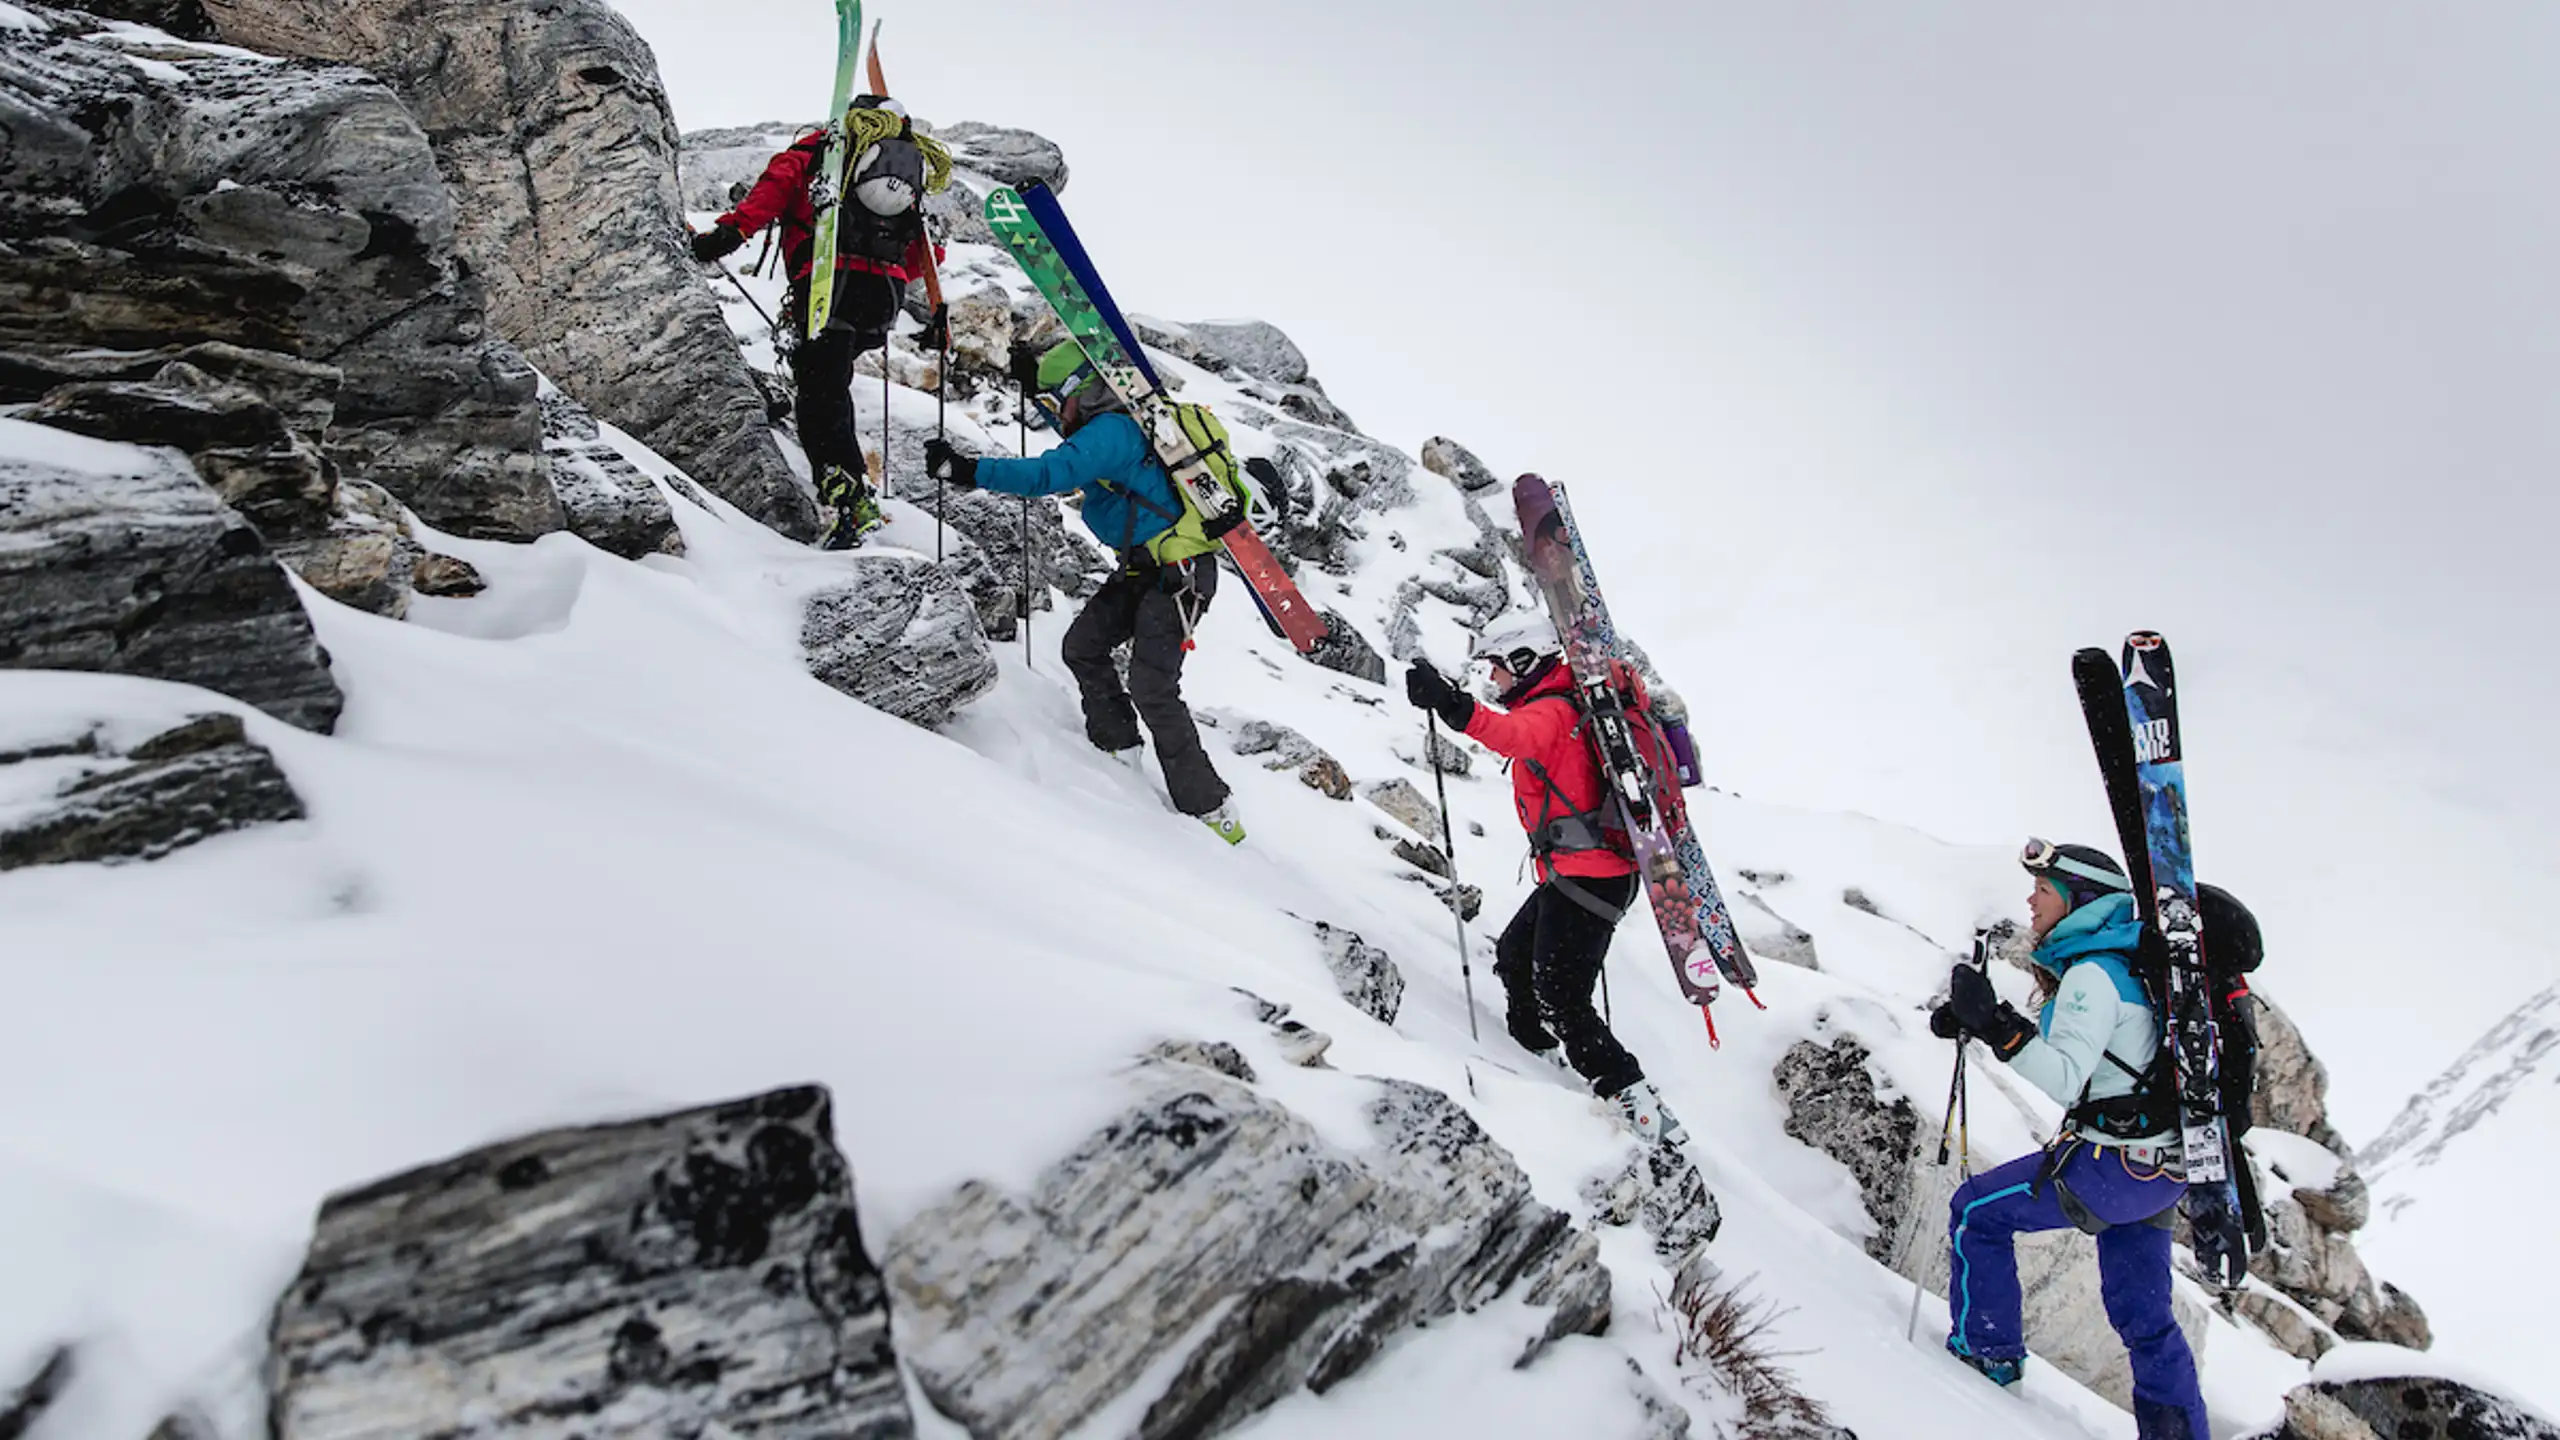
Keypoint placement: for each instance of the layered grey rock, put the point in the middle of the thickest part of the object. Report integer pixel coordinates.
(1008, 157)
(1345, 650)
(548, 120)
(2415, 1407)
(190, 783)
(118, 558)
(1365, 974)
(607, 501)
(699, 1273)
(1213, 1245)
(1400, 799)
(202, 196)
(901, 636)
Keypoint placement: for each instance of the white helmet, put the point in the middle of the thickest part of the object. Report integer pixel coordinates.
(1518, 639)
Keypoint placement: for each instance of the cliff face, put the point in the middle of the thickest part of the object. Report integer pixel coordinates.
(549, 123)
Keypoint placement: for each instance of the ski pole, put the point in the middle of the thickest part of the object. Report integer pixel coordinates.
(1449, 847)
(941, 399)
(1605, 1017)
(731, 276)
(1022, 448)
(1946, 1134)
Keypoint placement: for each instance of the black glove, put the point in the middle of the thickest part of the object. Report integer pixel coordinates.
(1979, 1011)
(1944, 1024)
(1023, 363)
(950, 466)
(716, 242)
(937, 329)
(2221, 1241)
(1431, 690)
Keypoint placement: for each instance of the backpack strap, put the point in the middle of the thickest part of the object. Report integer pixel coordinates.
(1584, 898)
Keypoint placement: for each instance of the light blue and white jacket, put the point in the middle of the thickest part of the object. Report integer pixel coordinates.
(2098, 1010)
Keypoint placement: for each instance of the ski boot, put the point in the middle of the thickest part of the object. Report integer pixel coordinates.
(2004, 1371)
(1641, 1110)
(857, 511)
(1554, 1055)
(1225, 822)
(1135, 757)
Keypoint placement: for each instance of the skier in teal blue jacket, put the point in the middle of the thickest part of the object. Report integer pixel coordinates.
(1152, 603)
(2114, 1171)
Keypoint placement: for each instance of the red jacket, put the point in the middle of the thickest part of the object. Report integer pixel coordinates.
(782, 193)
(1546, 727)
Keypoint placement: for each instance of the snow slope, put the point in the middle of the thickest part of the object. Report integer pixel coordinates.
(2448, 1178)
(593, 844)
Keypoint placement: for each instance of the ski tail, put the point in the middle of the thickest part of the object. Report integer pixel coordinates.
(878, 77)
(1046, 213)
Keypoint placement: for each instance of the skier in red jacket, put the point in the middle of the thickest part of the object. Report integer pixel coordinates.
(1549, 956)
(881, 246)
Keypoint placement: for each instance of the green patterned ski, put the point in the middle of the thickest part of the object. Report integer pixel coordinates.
(826, 192)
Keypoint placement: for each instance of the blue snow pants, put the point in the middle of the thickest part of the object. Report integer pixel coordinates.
(1992, 1208)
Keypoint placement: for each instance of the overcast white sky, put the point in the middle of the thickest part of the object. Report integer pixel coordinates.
(1891, 352)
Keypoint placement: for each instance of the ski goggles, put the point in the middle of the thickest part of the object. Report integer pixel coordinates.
(2043, 856)
(1053, 399)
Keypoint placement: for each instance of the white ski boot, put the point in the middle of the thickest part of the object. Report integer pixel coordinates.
(1641, 1110)
(1135, 757)
(1225, 822)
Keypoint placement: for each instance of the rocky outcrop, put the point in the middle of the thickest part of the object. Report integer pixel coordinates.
(1216, 1248)
(1769, 935)
(193, 782)
(607, 501)
(1365, 974)
(1345, 650)
(700, 1273)
(2414, 1407)
(1400, 799)
(898, 635)
(118, 558)
(157, 197)
(1835, 1105)
(549, 122)
(1458, 465)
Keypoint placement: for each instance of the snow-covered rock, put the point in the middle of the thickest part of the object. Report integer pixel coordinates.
(608, 502)
(1366, 975)
(1458, 465)
(115, 557)
(551, 125)
(900, 636)
(695, 1273)
(2375, 1393)
(1210, 1251)
(186, 784)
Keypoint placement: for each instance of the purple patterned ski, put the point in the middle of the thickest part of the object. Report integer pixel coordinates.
(1687, 904)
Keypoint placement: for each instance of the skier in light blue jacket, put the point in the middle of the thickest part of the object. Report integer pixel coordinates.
(2113, 1172)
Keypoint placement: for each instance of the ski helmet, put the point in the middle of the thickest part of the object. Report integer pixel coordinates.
(1518, 641)
(1065, 375)
(2232, 944)
(2083, 872)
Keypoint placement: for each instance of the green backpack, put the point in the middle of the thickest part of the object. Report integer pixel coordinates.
(1192, 533)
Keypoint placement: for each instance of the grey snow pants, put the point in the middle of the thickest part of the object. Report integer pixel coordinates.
(1146, 613)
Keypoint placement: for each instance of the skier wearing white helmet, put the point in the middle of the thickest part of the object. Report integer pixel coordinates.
(1549, 956)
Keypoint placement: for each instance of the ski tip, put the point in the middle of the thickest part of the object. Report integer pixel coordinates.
(2145, 640)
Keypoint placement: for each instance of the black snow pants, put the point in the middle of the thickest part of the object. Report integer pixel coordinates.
(1146, 611)
(864, 308)
(1548, 960)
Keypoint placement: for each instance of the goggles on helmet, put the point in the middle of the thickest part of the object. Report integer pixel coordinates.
(2042, 856)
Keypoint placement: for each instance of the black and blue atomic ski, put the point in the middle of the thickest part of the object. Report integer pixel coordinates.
(2159, 767)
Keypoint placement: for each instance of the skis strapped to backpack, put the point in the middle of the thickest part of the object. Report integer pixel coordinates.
(826, 191)
(1635, 756)
(2131, 708)
(1187, 441)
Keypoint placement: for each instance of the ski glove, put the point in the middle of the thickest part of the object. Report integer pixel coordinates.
(718, 241)
(937, 330)
(950, 466)
(2215, 1230)
(1431, 690)
(1978, 1010)
(1024, 365)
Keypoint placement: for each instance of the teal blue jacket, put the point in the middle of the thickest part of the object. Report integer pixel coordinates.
(2098, 1009)
(1137, 504)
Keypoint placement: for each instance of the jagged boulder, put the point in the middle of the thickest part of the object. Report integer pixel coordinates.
(1364, 973)
(118, 558)
(901, 636)
(1400, 799)
(189, 783)
(2413, 1407)
(549, 121)
(1008, 157)
(699, 1273)
(607, 501)
(1458, 465)
(1345, 650)
(158, 197)
(1213, 1246)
